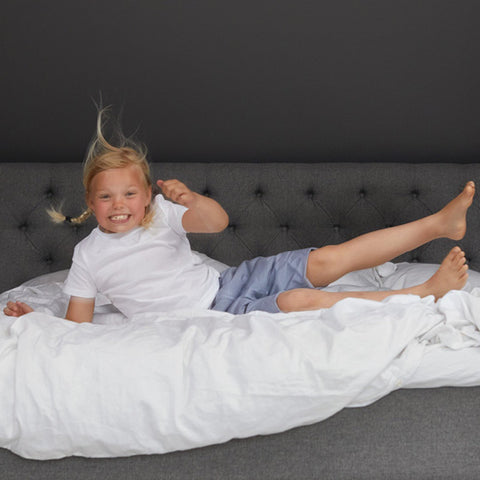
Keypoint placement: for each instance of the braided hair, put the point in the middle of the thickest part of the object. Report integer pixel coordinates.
(101, 156)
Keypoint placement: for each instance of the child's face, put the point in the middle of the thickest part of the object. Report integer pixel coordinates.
(118, 197)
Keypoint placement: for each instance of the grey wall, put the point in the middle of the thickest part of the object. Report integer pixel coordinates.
(259, 80)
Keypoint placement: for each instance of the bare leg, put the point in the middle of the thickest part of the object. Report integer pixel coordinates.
(329, 263)
(451, 275)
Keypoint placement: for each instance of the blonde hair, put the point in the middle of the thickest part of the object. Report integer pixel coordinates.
(101, 156)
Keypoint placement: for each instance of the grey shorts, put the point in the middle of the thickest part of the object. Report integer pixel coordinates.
(255, 284)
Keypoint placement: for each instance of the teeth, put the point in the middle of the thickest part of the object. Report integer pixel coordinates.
(119, 217)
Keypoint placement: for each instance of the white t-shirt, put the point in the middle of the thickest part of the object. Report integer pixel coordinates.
(146, 269)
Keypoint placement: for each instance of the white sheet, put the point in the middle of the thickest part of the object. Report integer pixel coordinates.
(173, 381)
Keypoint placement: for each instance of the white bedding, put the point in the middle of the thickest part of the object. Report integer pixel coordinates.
(173, 381)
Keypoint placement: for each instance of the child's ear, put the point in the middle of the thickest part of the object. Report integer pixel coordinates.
(149, 195)
(89, 202)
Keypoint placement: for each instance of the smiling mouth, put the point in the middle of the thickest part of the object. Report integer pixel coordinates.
(119, 218)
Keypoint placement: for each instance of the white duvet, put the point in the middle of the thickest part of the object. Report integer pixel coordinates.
(172, 381)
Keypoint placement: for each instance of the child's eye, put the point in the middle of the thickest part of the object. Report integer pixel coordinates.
(131, 194)
(104, 197)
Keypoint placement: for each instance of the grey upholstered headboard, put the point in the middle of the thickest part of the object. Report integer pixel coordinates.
(272, 207)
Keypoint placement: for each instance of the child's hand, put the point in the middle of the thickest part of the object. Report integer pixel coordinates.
(177, 192)
(17, 309)
(204, 214)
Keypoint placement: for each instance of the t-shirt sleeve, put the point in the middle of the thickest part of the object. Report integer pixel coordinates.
(79, 282)
(172, 213)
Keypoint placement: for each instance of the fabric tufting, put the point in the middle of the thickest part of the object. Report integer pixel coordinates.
(272, 208)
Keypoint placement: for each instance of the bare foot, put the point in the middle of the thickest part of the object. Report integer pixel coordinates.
(453, 219)
(451, 275)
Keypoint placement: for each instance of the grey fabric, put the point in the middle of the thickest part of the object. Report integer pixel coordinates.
(409, 435)
(424, 434)
(272, 208)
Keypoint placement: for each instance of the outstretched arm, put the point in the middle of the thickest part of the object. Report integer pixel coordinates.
(79, 309)
(204, 215)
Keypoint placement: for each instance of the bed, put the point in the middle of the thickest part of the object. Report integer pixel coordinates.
(286, 418)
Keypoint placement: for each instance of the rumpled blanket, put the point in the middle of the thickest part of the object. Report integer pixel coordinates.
(173, 381)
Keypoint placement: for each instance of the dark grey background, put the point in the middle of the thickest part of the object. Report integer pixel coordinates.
(263, 80)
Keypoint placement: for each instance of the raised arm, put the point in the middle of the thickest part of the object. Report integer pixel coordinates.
(204, 215)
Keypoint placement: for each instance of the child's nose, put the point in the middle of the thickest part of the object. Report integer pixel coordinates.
(118, 202)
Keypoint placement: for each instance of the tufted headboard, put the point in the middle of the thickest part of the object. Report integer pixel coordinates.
(272, 206)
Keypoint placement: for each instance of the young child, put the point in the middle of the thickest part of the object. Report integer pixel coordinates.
(139, 256)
